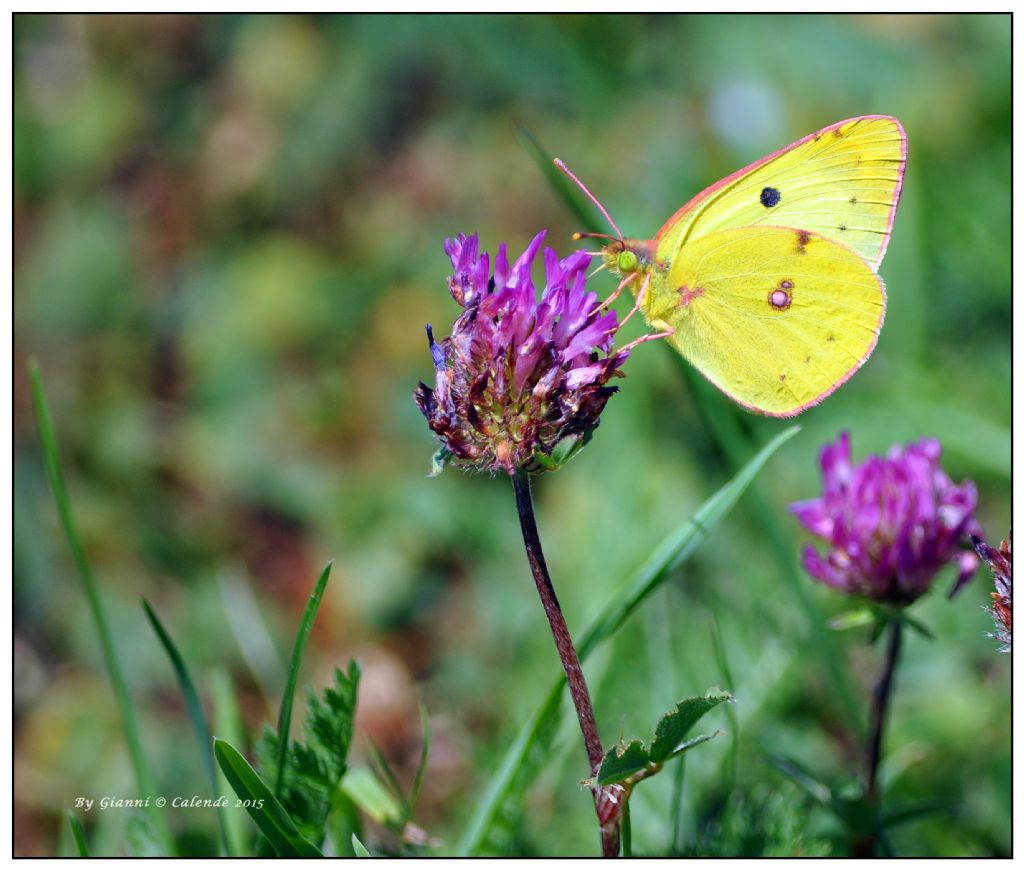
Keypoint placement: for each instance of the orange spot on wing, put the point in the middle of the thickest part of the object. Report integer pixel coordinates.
(686, 295)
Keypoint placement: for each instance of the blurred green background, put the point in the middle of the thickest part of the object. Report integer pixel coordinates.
(228, 238)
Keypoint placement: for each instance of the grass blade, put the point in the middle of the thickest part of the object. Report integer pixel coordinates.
(382, 770)
(421, 769)
(78, 834)
(195, 711)
(501, 783)
(284, 719)
(563, 187)
(730, 711)
(360, 850)
(227, 720)
(372, 797)
(796, 773)
(250, 631)
(678, 781)
(144, 779)
(271, 818)
(920, 809)
(678, 547)
(675, 549)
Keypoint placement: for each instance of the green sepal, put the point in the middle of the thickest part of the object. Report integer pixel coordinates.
(861, 616)
(916, 624)
(566, 449)
(439, 460)
(540, 461)
(883, 615)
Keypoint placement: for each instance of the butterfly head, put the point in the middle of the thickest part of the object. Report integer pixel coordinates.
(624, 257)
(626, 261)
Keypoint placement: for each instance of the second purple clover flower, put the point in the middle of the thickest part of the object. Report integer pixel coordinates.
(521, 381)
(889, 523)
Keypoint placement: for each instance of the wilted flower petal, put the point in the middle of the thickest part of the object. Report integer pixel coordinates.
(1001, 563)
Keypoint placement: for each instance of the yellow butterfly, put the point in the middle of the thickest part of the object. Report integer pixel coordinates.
(766, 280)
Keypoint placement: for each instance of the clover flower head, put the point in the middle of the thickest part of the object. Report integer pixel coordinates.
(1001, 564)
(889, 524)
(522, 380)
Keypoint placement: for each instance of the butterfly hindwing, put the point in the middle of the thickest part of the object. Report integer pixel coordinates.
(842, 182)
(777, 318)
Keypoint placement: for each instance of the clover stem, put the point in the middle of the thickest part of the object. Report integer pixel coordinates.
(879, 708)
(563, 643)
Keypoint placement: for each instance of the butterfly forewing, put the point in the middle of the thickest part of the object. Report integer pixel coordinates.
(777, 318)
(842, 182)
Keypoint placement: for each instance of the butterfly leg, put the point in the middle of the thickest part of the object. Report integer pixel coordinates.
(618, 291)
(639, 299)
(636, 307)
(651, 336)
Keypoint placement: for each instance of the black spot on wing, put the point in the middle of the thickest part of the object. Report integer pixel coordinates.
(770, 197)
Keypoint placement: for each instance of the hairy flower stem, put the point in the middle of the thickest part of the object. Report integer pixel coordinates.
(563, 642)
(879, 708)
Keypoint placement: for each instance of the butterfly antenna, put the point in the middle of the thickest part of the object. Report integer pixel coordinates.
(594, 200)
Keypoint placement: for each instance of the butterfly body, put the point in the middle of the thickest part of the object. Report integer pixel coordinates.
(767, 279)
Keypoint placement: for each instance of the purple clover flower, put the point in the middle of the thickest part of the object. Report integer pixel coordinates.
(521, 381)
(889, 523)
(1001, 564)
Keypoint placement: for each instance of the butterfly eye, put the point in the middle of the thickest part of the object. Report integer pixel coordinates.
(627, 261)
